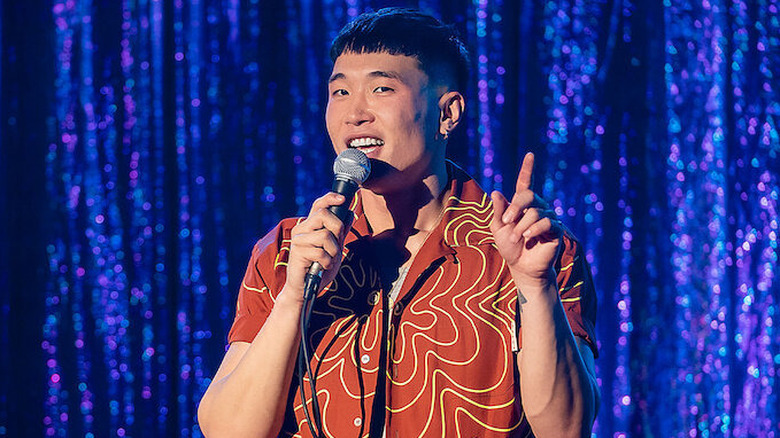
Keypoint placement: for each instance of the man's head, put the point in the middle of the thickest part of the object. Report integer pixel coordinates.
(393, 94)
(397, 31)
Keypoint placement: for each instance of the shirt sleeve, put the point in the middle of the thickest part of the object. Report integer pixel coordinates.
(578, 295)
(262, 282)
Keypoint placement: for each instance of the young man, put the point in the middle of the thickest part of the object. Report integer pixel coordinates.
(417, 330)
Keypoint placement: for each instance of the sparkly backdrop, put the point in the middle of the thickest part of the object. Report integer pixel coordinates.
(145, 145)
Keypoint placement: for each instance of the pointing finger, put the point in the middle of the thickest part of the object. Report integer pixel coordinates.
(526, 172)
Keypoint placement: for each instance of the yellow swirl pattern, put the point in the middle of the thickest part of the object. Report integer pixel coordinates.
(446, 358)
(450, 368)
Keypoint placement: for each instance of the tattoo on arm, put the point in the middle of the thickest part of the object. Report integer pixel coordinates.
(520, 301)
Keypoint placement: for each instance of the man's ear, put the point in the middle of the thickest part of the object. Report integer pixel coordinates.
(451, 107)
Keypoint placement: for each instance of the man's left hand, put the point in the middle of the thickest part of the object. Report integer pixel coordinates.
(526, 232)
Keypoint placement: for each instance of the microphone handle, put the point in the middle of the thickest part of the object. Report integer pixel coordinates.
(347, 188)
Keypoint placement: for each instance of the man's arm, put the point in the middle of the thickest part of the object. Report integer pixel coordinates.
(557, 383)
(557, 378)
(248, 395)
(249, 392)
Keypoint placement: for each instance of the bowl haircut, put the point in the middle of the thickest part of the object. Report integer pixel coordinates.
(399, 31)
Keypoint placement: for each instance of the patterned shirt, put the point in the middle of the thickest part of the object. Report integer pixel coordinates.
(437, 360)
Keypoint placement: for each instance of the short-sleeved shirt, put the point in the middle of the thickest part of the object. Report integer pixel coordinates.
(440, 358)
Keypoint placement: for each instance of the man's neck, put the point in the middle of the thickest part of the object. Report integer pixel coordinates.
(408, 212)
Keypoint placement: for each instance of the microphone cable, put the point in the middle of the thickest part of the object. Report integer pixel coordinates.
(311, 285)
(351, 168)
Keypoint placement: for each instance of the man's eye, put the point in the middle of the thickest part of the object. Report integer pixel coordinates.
(382, 89)
(340, 92)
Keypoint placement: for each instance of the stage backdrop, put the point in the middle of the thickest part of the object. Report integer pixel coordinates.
(147, 144)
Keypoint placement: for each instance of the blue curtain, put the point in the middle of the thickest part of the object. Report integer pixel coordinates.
(145, 145)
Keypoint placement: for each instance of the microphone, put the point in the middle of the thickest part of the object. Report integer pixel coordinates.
(350, 169)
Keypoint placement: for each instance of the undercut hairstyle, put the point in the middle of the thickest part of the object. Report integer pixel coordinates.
(399, 31)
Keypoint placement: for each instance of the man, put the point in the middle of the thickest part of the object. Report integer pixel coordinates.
(416, 329)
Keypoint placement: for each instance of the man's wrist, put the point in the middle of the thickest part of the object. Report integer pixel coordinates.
(290, 298)
(535, 285)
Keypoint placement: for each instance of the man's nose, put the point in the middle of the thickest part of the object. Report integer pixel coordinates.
(359, 112)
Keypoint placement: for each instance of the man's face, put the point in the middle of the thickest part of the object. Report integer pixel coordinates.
(382, 104)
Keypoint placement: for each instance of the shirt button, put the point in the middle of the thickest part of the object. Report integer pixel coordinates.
(398, 309)
(358, 421)
(373, 298)
(365, 359)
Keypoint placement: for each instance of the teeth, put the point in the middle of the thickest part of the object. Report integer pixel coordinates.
(365, 141)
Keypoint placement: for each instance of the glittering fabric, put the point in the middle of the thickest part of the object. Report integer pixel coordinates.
(171, 134)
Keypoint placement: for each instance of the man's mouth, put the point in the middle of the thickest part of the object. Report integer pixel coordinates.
(365, 144)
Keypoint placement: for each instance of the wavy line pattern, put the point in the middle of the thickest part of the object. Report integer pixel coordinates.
(450, 367)
(448, 364)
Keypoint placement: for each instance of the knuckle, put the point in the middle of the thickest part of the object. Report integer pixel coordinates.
(324, 198)
(296, 240)
(310, 223)
(320, 214)
(523, 199)
(325, 259)
(325, 235)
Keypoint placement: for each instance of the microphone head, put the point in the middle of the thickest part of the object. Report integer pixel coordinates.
(352, 164)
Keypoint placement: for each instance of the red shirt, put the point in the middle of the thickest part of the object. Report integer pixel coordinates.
(449, 366)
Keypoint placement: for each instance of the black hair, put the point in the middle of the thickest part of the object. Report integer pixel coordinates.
(399, 31)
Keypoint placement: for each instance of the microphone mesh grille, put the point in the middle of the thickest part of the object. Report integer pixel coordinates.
(352, 164)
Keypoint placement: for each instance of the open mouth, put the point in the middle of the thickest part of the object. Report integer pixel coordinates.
(366, 144)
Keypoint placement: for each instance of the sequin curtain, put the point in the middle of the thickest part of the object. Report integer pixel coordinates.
(146, 144)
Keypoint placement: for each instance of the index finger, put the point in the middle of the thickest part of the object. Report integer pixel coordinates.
(327, 200)
(526, 172)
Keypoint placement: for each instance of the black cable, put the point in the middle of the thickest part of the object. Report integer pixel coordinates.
(312, 378)
(301, 371)
(304, 364)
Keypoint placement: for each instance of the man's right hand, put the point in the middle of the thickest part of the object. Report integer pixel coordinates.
(318, 238)
(248, 395)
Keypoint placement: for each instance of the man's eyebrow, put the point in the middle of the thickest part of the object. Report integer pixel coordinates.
(374, 74)
(336, 77)
(386, 74)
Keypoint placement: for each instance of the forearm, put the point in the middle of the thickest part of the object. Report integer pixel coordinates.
(252, 398)
(558, 393)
